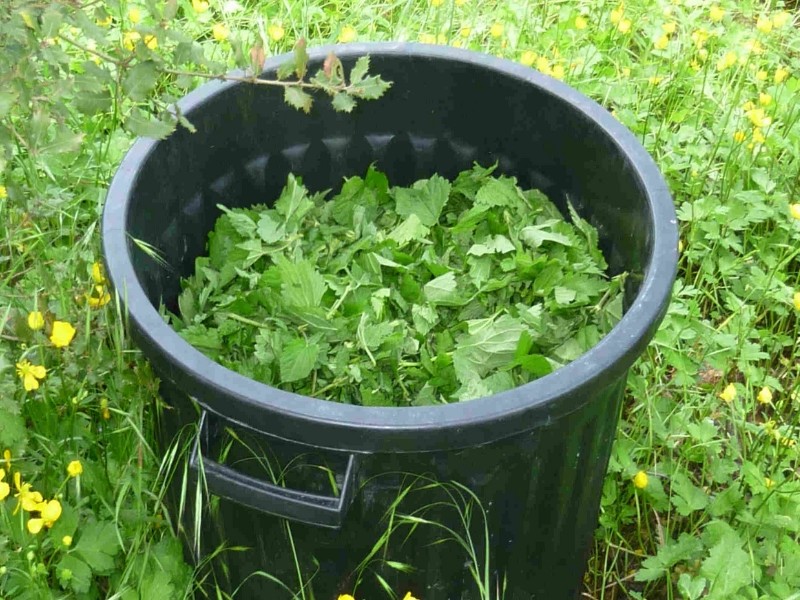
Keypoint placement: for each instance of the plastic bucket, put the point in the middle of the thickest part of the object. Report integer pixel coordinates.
(534, 457)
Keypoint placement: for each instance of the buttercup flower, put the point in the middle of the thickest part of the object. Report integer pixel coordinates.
(98, 273)
(729, 393)
(35, 320)
(199, 6)
(104, 22)
(796, 300)
(738, 136)
(765, 395)
(347, 34)
(220, 32)
(104, 412)
(640, 480)
(150, 41)
(764, 24)
(346, 597)
(669, 28)
(67, 540)
(699, 37)
(134, 15)
(62, 334)
(30, 374)
(99, 297)
(7, 458)
(662, 42)
(581, 22)
(408, 596)
(624, 26)
(758, 136)
(543, 65)
(779, 19)
(437, 3)
(764, 99)
(49, 512)
(716, 14)
(27, 499)
(5, 489)
(768, 483)
(3, 192)
(727, 60)
(617, 14)
(780, 75)
(528, 58)
(461, 2)
(761, 75)
(557, 71)
(74, 468)
(794, 210)
(275, 32)
(496, 30)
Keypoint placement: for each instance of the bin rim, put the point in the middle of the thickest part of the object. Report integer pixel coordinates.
(350, 428)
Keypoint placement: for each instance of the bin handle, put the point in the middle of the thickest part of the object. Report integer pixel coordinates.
(263, 496)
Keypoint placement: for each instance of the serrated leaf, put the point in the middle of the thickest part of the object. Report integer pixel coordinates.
(686, 497)
(300, 58)
(269, 229)
(498, 244)
(140, 80)
(536, 235)
(409, 230)
(343, 102)
(502, 191)
(426, 199)
(301, 283)
(685, 548)
(488, 344)
(140, 124)
(80, 575)
(727, 568)
(359, 70)
(298, 98)
(370, 88)
(297, 360)
(442, 290)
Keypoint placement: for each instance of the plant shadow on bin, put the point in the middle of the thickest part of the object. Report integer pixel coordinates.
(535, 457)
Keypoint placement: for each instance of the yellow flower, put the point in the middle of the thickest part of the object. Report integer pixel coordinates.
(738, 136)
(696, 66)
(768, 483)
(30, 374)
(461, 2)
(765, 395)
(496, 30)
(528, 58)
(699, 37)
(729, 393)
(465, 32)
(49, 512)
(781, 74)
(134, 15)
(758, 136)
(7, 458)
(427, 38)
(150, 41)
(764, 24)
(105, 22)
(5, 489)
(617, 14)
(794, 210)
(220, 32)
(62, 334)
(347, 34)
(795, 301)
(753, 46)
(35, 320)
(437, 3)
(543, 65)
(716, 14)
(581, 22)
(662, 42)
(129, 39)
(758, 118)
(726, 61)
(67, 540)
(98, 273)
(640, 480)
(104, 412)
(99, 297)
(558, 71)
(761, 75)
(669, 28)
(624, 26)
(626, 72)
(275, 32)
(27, 499)
(74, 468)
(346, 597)
(655, 80)
(408, 596)
(3, 192)
(780, 19)
(199, 6)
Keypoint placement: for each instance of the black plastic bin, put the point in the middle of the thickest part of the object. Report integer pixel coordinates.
(535, 457)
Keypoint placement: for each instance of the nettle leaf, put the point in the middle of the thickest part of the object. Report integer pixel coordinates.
(297, 360)
(426, 199)
(536, 235)
(409, 230)
(502, 191)
(301, 283)
(269, 229)
(488, 344)
(298, 98)
(443, 290)
(293, 203)
(498, 244)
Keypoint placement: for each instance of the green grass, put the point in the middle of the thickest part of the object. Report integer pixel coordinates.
(715, 512)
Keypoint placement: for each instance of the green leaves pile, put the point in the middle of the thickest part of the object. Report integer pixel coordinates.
(382, 296)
